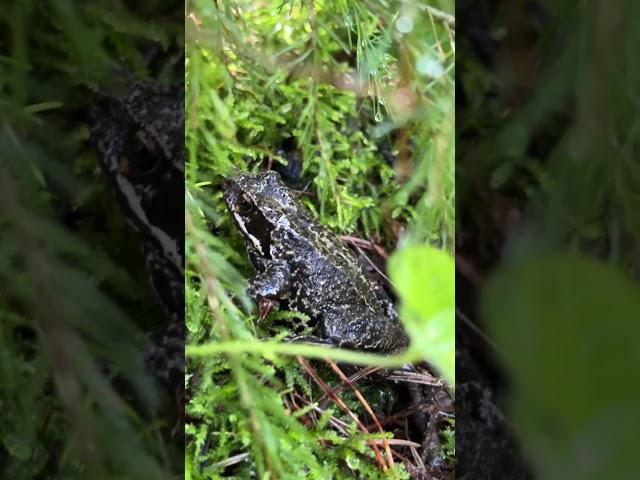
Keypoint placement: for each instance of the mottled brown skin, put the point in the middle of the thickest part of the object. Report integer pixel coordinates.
(302, 262)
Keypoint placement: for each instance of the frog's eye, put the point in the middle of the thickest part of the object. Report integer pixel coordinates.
(245, 205)
(143, 157)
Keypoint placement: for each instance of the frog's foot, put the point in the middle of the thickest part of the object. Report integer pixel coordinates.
(273, 283)
(264, 308)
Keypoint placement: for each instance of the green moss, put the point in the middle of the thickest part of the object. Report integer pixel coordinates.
(260, 75)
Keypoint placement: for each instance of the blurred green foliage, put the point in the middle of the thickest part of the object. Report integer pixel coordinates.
(62, 241)
(364, 93)
(567, 351)
(548, 193)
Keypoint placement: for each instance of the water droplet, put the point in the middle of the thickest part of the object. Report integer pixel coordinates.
(404, 24)
(378, 117)
(352, 461)
(429, 66)
(382, 100)
(348, 22)
(347, 81)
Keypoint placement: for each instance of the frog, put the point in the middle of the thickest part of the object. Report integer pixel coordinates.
(139, 140)
(301, 262)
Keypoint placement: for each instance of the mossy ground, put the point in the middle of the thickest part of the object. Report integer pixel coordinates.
(360, 97)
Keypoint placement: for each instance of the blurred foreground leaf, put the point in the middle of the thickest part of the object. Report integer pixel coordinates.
(562, 322)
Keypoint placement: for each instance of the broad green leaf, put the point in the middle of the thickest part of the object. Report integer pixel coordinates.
(425, 280)
(567, 327)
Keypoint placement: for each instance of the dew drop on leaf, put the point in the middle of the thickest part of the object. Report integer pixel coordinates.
(430, 66)
(378, 117)
(404, 24)
(353, 462)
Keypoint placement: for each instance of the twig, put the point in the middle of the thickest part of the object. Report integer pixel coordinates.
(340, 425)
(415, 377)
(232, 460)
(467, 321)
(442, 16)
(321, 383)
(397, 441)
(366, 406)
(365, 244)
(353, 378)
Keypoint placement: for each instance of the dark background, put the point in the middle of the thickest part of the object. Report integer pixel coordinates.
(547, 238)
(75, 399)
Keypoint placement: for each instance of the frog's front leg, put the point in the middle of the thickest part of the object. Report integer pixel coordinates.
(274, 282)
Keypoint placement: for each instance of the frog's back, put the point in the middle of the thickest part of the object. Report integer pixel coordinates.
(329, 264)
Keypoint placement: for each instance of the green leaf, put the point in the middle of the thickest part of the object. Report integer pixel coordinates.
(43, 106)
(501, 175)
(567, 327)
(425, 280)
(19, 446)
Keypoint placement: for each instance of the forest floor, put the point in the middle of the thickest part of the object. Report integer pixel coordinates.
(324, 98)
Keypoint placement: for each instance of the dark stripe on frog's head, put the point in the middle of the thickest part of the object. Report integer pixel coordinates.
(248, 216)
(139, 166)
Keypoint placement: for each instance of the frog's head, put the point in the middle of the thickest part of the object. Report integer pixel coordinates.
(257, 204)
(139, 141)
(140, 135)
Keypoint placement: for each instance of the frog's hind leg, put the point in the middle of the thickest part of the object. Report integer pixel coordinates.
(273, 283)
